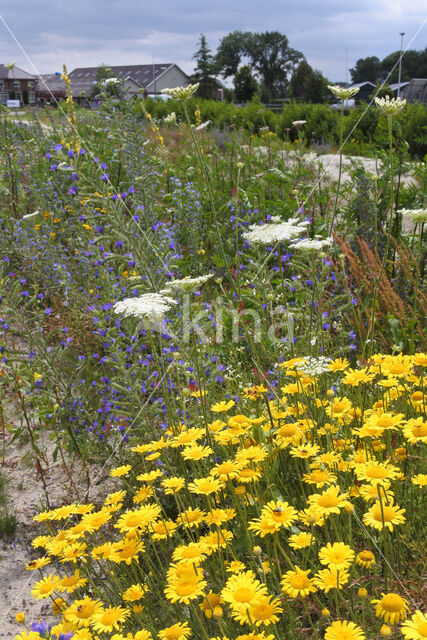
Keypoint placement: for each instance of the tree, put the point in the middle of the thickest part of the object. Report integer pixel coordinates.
(245, 85)
(366, 70)
(205, 69)
(414, 65)
(272, 59)
(231, 50)
(308, 84)
(268, 54)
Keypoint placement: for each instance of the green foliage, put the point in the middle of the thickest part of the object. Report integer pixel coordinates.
(205, 70)
(245, 85)
(269, 56)
(8, 523)
(371, 69)
(308, 85)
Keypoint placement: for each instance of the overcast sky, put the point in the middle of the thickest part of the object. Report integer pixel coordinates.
(90, 32)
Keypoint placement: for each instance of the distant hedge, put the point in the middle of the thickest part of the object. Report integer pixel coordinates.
(362, 124)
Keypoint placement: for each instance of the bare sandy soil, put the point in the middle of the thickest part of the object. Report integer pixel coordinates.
(25, 498)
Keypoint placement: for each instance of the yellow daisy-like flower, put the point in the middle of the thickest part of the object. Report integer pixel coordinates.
(251, 636)
(163, 529)
(196, 452)
(211, 604)
(242, 590)
(149, 476)
(336, 556)
(253, 454)
(216, 539)
(219, 516)
(416, 627)
(191, 518)
(37, 564)
(382, 515)
(396, 366)
(339, 364)
(186, 589)
(301, 540)
(227, 470)
(330, 501)
(305, 451)
(415, 430)
(355, 377)
(365, 559)
(113, 499)
(376, 472)
(222, 406)
(45, 587)
(205, 486)
(81, 612)
(143, 494)
(118, 472)
(344, 630)
(297, 583)
(391, 607)
(178, 631)
(109, 619)
(71, 583)
(319, 477)
(264, 526)
(187, 437)
(194, 552)
(134, 593)
(280, 512)
(93, 521)
(420, 479)
(263, 611)
(139, 518)
(328, 579)
(126, 550)
(173, 485)
(235, 566)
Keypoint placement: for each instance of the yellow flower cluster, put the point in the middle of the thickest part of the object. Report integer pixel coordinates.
(226, 529)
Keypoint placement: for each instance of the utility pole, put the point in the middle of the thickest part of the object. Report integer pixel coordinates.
(402, 33)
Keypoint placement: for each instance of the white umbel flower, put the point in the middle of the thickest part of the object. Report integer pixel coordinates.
(343, 93)
(181, 93)
(390, 107)
(276, 232)
(416, 215)
(310, 366)
(186, 284)
(151, 306)
(316, 244)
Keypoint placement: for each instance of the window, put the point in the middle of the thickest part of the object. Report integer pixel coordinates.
(16, 83)
(1, 84)
(30, 83)
(31, 97)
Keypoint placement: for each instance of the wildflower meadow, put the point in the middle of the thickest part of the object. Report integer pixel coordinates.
(224, 349)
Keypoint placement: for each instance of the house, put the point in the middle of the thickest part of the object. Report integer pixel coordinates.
(50, 88)
(395, 88)
(146, 79)
(365, 92)
(415, 91)
(17, 84)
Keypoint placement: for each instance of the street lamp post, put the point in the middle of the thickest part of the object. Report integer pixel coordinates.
(400, 62)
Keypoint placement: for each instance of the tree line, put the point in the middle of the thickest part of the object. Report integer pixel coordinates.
(264, 65)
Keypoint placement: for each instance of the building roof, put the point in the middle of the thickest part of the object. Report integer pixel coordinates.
(396, 85)
(51, 82)
(362, 84)
(16, 73)
(83, 78)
